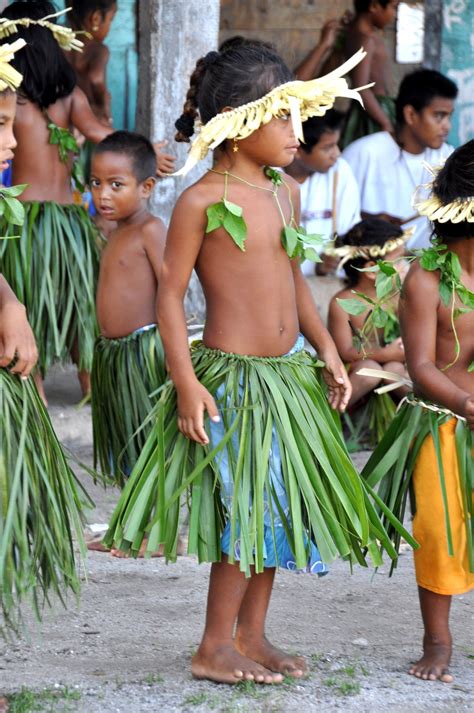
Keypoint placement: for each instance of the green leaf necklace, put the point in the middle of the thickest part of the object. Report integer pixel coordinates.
(227, 215)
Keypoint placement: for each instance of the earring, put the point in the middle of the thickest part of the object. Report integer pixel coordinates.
(235, 146)
(95, 28)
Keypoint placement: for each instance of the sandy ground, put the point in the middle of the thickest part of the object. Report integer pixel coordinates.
(127, 647)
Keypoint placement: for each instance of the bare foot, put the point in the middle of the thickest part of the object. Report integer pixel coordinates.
(97, 546)
(434, 664)
(224, 664)
(262, 651)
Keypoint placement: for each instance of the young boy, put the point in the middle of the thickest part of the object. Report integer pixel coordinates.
(366, 30)
(128, 363)
(439, 355)
(329, 194)
(389, 167)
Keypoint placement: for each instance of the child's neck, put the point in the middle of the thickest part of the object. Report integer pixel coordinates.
(134, 218)
(464, 249)
(242, 166)
(297, 171)
(365, 25)
(365, 285)
(407, 141)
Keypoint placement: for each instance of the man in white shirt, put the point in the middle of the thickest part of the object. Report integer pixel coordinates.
(329, 194)
(389, 168)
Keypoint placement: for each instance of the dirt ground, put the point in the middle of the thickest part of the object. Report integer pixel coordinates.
(127, 647)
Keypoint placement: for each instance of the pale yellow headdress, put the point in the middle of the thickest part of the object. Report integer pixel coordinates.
(301, 100)
(368, 252)
(10, 78)
(64, 36)
(459, 210)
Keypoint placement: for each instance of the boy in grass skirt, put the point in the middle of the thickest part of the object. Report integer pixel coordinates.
(437, 322)
(245, 430)
(37, 552)
(53, 266)
(129, 363)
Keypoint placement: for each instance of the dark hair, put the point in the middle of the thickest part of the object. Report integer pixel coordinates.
(82, 8)
(47, 75)
(240, 74)
(455, 180)
(372, 231)
(241, 41)
(316, 126)
(136, 147)
(419, 88)
(364, 5)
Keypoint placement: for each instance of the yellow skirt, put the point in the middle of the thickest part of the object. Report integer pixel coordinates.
(435, 569)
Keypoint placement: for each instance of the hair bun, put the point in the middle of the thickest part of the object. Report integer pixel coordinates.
(211, 58)
(185, 124)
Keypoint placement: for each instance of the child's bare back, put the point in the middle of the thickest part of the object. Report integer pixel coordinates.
(126, 293)
(250, 296)
(377, 62)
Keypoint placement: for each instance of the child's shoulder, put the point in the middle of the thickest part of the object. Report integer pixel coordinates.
(344, 294)
(420, 284)
(204, 192)
(152, 225)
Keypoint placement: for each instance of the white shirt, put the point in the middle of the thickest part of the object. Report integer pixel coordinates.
(317, 203)
(388, 176)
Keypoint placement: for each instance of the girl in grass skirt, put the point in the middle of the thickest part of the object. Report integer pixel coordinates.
(53, 267)
(437, 322)
(244, 431)
(39, 500)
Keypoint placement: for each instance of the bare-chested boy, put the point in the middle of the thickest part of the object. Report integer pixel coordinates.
(128, 357)
(365, 31)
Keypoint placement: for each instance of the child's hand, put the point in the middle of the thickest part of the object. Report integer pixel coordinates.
(192, 402)
(164, 161)
(468, 411)
(329, 33)
(16, 339)
(395, 350)
(339, 385)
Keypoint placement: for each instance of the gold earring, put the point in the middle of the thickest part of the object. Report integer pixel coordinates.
(95, 28)
(235, 146)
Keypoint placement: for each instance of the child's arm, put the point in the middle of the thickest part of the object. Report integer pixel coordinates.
(16, 337)
(312, 63)
(360, 77)
(340, 330)
(418, 320)
(97, 78)
(84, 119)
(154, 239)
(183, 244)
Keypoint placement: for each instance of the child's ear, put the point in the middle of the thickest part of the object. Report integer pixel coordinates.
(409, 114)
(371, 275)
(148, 186)
(95, 20)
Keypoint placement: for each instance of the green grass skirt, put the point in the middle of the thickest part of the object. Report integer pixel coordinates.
(368, 422)
(40, 505)
(328, 501)
(53, 269)
(125, 373)
(359, 123)
(391, 466)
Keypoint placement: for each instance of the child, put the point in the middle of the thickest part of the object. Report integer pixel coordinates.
(329, 193)
(368, 241)
(371, 17)
(94, 17)
(53, 267)
(38, 552)
(439, 346)
(128, 361)
(253, 478)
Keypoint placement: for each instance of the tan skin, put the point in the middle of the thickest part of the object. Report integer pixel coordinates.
(257, 301)
(427, 128)
(320, 159)
(131, 261)
(311, 65)
(390, 358)
(429, 346)
(364, 31)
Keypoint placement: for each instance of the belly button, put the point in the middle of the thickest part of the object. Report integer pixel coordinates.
(282, 329)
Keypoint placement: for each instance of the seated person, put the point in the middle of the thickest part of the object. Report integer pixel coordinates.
(389, 167)
(368, 241)
(329, 194)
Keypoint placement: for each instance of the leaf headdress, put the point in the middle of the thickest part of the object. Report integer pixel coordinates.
(64, 36)
(369, 252)
(459, 210)
(301, 100)
(10, 78)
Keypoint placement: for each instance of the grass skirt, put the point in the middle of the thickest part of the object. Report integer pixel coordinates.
(392, 465)
(53, 268)
(368, 421)
(327, 502)
(125, 373)
(39, 504)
